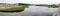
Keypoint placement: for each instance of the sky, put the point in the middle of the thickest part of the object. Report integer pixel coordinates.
(9, 1)
(31, 1)
(40, 1)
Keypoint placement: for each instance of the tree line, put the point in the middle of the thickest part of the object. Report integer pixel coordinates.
(50, 6)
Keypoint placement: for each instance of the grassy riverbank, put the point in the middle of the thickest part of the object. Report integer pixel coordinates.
(18, 8)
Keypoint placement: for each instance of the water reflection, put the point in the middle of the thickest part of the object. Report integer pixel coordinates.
(40, 11)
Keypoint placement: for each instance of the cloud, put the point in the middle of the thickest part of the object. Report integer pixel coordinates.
(9, 1)
(31, 1)
(40, 1)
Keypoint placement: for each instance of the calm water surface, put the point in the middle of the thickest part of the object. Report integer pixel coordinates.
(40, 11)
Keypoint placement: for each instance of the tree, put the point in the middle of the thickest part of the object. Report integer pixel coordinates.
(23, 4)
(53, 6)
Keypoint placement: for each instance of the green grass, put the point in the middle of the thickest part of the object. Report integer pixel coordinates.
(18, 8)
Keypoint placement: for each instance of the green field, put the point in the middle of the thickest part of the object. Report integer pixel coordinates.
(18, 8)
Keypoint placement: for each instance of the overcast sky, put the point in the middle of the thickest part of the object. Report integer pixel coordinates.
(31, 1)
(9, 1)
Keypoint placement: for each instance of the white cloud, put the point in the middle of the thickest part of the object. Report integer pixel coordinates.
(31, 1)
(40, 1)
(9, 1)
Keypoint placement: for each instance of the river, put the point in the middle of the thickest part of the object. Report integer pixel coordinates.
(40, 11)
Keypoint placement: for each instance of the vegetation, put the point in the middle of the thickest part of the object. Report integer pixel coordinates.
(23, 4)
(53, 6)
(17, 9)
(49, 6)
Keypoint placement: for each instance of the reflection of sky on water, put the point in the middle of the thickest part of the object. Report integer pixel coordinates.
(40, 11)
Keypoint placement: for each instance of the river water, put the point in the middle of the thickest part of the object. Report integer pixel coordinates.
(40, 11)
